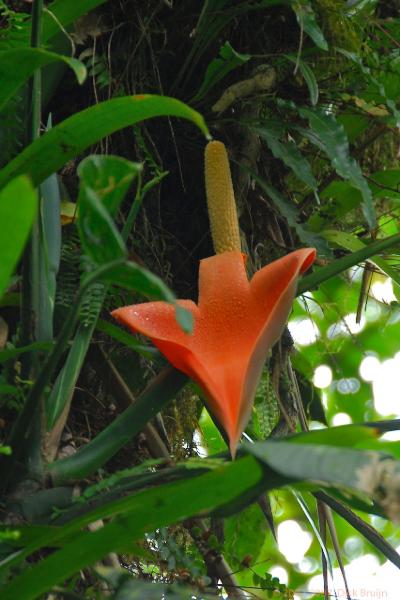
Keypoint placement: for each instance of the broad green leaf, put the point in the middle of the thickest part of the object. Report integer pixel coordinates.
(56, 19)
(71, 137)
(346, 468)
(138, 514)
(17, 66)
(288, 152)
(306, 20)
(330, 136)
(18, 207)
(385, 184)
(308, 75)
(219, 67)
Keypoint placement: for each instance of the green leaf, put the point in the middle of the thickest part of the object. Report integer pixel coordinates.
(345, 468)
(128, 340)
(103, 447)
(239, 537)
(131, 276)
(18, 207)
(17, 66)
(64, 385)
(101, 240)
(110, 177)
(308, 75)
(71, 137)
(136, 515)
(331, 137)
(219, 67)
(288, 152)
(11, 353)
(104, 179)
(306, 20)
(184, 318)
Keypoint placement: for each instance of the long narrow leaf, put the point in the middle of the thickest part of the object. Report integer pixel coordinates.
(119, 432)
(71, 137)
(145, 511)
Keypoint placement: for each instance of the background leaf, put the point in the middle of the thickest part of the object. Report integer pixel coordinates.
(330, 136)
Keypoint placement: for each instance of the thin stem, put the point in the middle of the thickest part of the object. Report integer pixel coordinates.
(30, 268)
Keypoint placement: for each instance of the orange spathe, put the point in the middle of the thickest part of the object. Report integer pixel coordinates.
(236, 323)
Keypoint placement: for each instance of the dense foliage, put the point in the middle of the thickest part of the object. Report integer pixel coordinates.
(115, 480)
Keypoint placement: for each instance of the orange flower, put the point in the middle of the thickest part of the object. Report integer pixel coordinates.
(236, 323)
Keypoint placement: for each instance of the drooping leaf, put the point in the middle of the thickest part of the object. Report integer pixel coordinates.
(307, 21)
(18, 207)
(71, 137)
(131, 276)
(18, 65)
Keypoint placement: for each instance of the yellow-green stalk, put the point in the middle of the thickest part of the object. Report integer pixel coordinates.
(221, 199)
